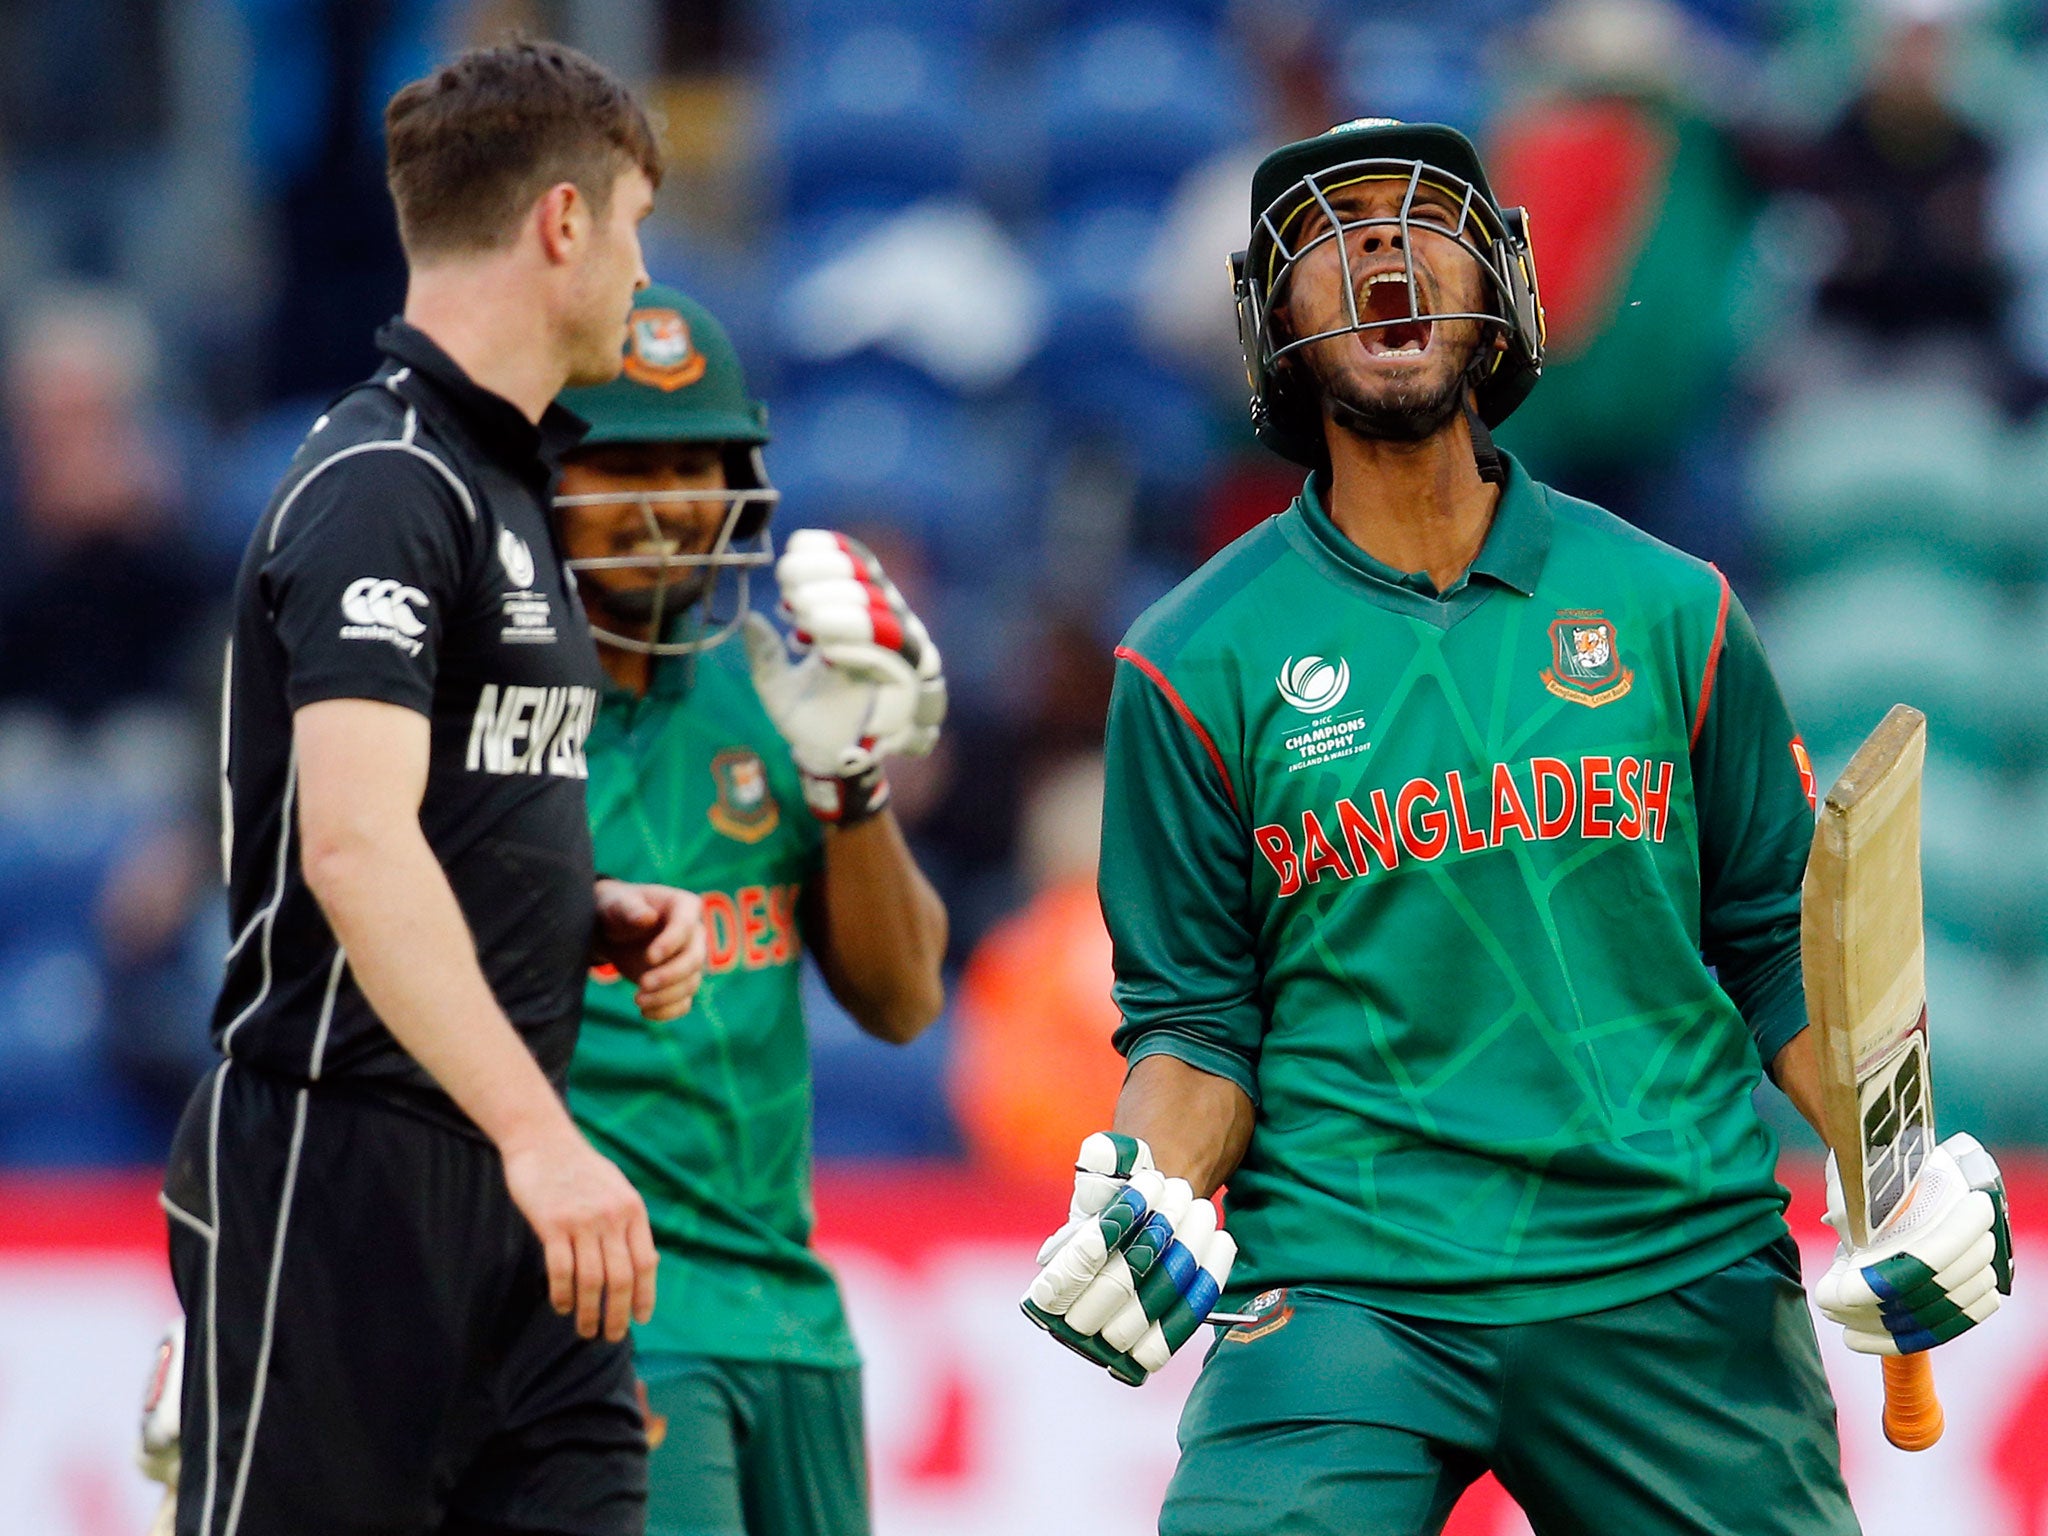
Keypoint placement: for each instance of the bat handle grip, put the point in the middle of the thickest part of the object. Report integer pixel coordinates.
(1912, 1413)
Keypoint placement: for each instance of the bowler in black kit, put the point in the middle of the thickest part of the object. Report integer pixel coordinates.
(406, 1277)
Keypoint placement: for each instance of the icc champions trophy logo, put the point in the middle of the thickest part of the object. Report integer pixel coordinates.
(1313, 685)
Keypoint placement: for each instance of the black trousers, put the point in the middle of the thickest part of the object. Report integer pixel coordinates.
(369, 1343)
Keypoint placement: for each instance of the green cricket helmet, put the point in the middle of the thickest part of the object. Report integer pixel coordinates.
(1292, 214)
(681, 382)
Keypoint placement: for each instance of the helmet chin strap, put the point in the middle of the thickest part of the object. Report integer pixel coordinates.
(1484, 455)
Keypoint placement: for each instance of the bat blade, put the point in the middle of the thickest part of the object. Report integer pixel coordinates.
(1865, 964)
(1864, 955)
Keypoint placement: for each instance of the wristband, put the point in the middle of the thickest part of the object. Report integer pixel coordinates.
(849, 801)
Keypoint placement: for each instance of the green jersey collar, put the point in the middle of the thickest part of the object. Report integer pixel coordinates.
(1512, 556)
(669, 677)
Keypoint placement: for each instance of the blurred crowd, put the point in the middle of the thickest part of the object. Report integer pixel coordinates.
(1795, 261)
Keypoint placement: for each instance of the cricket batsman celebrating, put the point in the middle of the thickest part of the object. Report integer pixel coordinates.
(759, 780)
(1452, 854)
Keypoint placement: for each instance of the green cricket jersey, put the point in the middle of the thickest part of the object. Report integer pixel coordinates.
(710, 1114)
(1430, 878)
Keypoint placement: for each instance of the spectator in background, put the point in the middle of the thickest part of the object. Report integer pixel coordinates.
(1048, 707)
(102, 597)
(107, 624)
(321, 73)
(1905, 180)
(1033, 1072)
(83, 111)
(1639, 209)
(1186, 312)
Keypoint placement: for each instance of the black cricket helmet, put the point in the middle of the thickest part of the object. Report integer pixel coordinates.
(1295, 183)
(681, 383)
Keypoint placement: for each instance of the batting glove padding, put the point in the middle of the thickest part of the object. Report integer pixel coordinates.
(1138, 1266)
(1939, 1267)
(867, 684)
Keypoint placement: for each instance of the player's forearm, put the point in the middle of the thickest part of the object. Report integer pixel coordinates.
(1796, 1071)
(1198, 1125)
(882, 931)
(413, 956)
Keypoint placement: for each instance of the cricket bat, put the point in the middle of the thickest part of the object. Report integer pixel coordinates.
(1866, 993)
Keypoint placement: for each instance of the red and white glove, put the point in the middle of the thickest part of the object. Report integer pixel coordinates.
(867, 683)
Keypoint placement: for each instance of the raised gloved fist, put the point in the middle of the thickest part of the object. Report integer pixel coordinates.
(867, 684)
(1138, 1266)
(1939, 1267)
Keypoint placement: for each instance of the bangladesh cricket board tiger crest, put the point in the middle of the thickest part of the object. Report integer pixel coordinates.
(745, 809)
(659, 350)
(1273, 1311)
(1585, 659)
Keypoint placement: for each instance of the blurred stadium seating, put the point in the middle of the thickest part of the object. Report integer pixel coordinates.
(973, 254)
(936, 230)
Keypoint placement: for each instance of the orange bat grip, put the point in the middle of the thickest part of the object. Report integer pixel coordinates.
(1912, 1413)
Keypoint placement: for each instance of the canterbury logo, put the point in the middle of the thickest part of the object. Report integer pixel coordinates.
(384, 603)
(1312, 684)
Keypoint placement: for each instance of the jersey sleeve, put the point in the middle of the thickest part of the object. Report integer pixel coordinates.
(1175, 883)
(365, 566)
(1756, 829)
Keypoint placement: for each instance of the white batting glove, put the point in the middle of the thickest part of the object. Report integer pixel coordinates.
(1940, 1266)
(868, 685)
(1138, 1266)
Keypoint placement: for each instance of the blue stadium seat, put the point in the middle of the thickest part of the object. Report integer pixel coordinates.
(877, 115)
(244, 469)
(55, 851)
(1131, 103)
(1094, 373)
(59, 1104)
(1982, 847)
(2020, 514)
(789, 25)
(1990, 1031)
(53, 1004)
(785, 24)
(906, 458)
(870, 1099)
(1849, 643)
(939, 286)
(1163, 426)
(1909, 469)
(1422, 69)
(1093, 256)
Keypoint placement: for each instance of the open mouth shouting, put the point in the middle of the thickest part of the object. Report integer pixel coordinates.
(1400, 327)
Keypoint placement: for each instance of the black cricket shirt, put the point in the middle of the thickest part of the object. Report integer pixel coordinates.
(408, 556)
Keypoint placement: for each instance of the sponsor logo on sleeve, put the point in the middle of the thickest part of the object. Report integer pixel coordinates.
(745, 809)
(1585, 659)
(1806, 780)
(378, 608)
